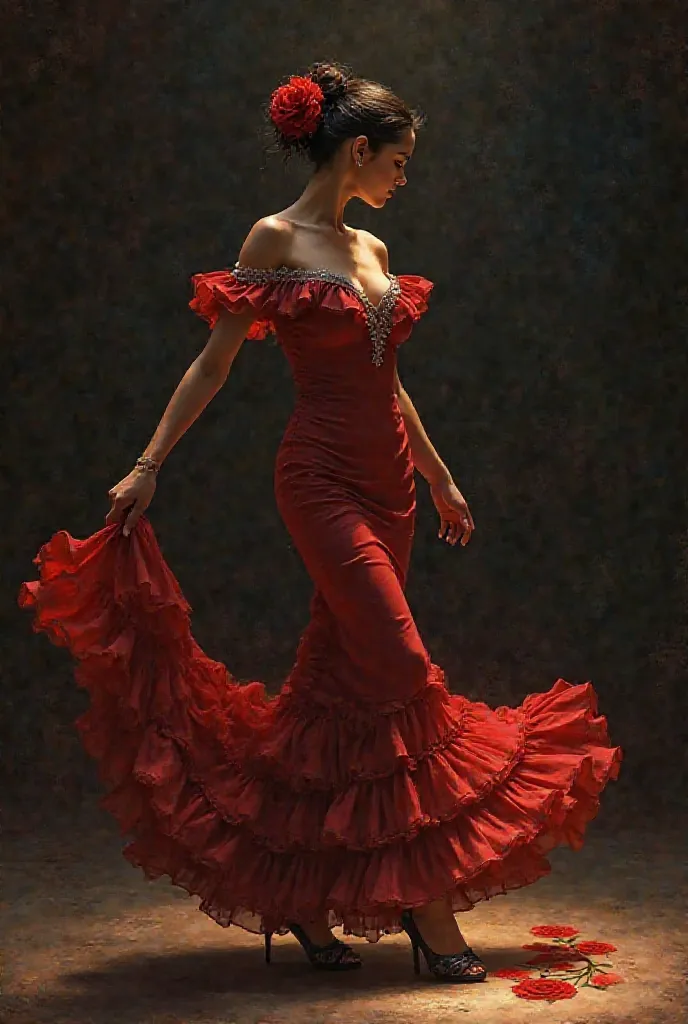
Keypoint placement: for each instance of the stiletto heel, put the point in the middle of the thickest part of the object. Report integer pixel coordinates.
(416, 958)
(268, 947)
(335, 956)
(453, 967)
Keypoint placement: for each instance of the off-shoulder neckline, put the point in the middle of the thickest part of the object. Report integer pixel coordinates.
(283, 272)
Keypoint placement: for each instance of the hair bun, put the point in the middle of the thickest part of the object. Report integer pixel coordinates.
(332, 79)
(312, 114)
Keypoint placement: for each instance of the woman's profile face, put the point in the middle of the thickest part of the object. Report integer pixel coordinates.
(384, 171)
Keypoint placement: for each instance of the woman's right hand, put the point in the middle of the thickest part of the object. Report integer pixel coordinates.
(130, 498)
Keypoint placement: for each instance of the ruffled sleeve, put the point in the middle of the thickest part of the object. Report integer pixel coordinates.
(289, 292)
(414, 292)
(414, 295)
(222, 289)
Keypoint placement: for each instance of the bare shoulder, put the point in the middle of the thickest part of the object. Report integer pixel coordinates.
(267, 243)
(377, 246)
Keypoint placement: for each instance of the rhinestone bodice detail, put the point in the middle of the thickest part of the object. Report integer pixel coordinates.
(378, 317)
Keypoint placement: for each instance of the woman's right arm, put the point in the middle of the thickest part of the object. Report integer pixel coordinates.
(264, 247)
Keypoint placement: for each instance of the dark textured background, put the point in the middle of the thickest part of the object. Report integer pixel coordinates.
(546, 200)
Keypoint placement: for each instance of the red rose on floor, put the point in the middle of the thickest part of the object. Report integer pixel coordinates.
(602, 980)
(564, 965)
(544, 988)
(511, 972)
(555, 931)
(595, 948)
(551, 958)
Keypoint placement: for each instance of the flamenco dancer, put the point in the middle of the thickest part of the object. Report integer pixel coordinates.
(364, 795)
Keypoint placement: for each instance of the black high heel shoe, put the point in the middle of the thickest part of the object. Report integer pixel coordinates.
(335, 956)
(454, 967)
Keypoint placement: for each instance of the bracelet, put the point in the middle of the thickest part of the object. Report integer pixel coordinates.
(147, 464)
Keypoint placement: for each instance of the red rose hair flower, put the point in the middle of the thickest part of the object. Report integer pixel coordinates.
(296, 108)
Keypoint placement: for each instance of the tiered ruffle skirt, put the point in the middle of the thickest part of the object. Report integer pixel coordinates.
(270, 808)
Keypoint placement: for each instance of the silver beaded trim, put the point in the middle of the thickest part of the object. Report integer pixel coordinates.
(379, 318)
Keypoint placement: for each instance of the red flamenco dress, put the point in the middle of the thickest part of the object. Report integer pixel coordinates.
(365, 786)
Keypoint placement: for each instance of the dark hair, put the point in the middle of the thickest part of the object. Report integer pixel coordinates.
(352, 106)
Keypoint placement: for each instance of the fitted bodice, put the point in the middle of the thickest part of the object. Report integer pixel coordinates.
(338, 342)
(309, 327)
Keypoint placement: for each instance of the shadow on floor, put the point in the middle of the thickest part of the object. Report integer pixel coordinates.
(89, 941)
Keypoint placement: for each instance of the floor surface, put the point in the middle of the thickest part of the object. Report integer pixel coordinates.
(88, 941)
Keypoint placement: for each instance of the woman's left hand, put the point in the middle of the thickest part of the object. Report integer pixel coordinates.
(456, 521)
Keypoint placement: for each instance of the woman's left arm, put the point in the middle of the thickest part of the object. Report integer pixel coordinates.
(456, 521)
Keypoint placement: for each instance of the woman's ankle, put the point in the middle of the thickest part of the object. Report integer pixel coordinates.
(434, 911)
(317, 929)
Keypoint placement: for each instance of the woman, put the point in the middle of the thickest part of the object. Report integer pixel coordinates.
(364, 794)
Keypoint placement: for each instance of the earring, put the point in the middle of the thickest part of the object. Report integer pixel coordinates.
(359, 162)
